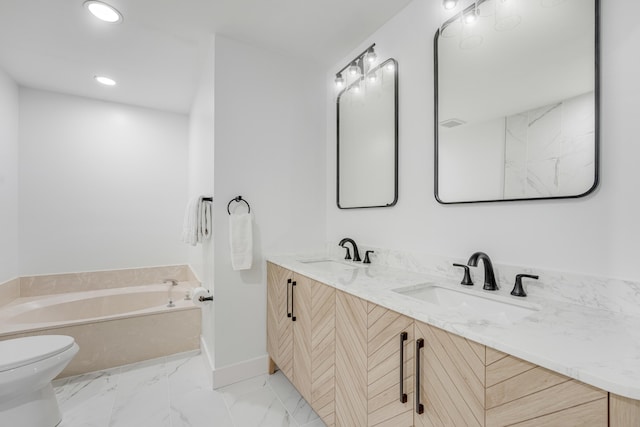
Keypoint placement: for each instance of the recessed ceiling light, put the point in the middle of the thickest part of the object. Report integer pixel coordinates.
(105, 80)
(103, 11)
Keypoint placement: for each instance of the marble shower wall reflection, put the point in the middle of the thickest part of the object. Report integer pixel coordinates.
(549, 150)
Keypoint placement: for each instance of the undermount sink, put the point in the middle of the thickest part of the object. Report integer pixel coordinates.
(471, 303)
(330, 264)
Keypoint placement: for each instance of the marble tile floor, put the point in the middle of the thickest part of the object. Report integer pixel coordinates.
(176, 391)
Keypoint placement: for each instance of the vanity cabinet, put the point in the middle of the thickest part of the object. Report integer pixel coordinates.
(353, 361)
(301, 320)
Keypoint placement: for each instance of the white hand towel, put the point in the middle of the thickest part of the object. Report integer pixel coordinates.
(204, 221)
(197, 221)
(241, 240)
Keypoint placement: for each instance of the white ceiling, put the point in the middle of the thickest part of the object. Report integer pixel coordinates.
(155, 54)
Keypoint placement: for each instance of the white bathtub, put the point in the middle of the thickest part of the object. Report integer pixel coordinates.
(113, 327)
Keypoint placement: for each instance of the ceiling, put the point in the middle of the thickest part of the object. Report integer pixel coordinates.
(156, 52)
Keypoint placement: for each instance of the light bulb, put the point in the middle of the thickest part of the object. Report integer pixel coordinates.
(371, 56)
(471, 16)
(105, 80)
(354, 70)
(103, 11)
(449, 4)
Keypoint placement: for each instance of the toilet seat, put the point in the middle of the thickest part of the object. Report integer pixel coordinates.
(19, 352)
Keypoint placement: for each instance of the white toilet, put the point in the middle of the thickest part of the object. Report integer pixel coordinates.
(27, 366)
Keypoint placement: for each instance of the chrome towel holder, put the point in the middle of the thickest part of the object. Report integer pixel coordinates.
(238, 199)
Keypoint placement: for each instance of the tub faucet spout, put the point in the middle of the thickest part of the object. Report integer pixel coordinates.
(172, 283)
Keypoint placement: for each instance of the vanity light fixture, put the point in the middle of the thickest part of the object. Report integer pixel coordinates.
(449, 4)
(105, 80)
(356, 68)
(103, 11)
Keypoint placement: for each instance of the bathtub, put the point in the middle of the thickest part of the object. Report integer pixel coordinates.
(113, 327)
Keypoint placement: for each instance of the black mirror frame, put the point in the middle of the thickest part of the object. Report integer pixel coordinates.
(396, 135)
(596, 118)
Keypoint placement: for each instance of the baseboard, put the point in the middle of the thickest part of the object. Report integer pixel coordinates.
(240, 371)
(206, 356)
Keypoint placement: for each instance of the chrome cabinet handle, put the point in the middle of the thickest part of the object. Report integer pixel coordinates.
(403, 395)
(419, 346)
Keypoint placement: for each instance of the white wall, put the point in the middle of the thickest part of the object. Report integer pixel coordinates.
(593, 235)
(201, 179)
(8, 178)
(269, 148)
(102, 185)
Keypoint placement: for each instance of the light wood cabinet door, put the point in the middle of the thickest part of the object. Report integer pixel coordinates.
(390, 368)
(279, 324)
(351, 361)
(452, 379)
(526, 395)
(323, 350)
(314, 344)
(301, 336)
(623, 412)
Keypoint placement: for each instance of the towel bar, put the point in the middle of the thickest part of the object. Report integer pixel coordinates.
(237, 199)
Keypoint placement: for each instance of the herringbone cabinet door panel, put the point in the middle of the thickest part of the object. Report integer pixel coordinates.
(301, 309)
(451, 379)
(323, 341)
(526, 395)
(279, 326)
(385, 328)
(351, 361)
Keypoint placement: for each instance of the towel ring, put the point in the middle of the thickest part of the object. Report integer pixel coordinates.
(238, 199)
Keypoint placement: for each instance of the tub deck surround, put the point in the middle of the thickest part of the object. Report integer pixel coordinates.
(598, 347)
(9, 291)
(31, 314)
(113, 327)
(89, 281)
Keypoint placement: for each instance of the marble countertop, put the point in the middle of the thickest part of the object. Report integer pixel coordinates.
(597, 347)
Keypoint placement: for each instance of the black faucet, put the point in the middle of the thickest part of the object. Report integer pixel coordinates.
(356, 254)
(489, 277)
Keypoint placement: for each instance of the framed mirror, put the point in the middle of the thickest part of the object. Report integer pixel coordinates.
(367, 118)
(517, 101)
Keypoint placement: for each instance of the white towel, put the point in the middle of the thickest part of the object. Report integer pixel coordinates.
(204, 220)
(241, 240)
(197, 221)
